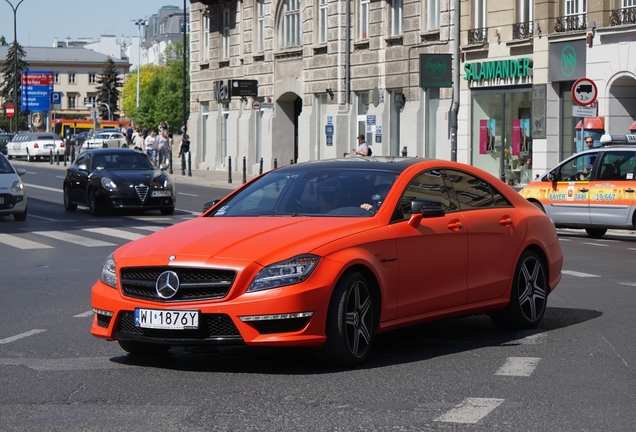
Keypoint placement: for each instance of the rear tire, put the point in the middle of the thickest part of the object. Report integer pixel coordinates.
(595, 232)
(528, 295)
(29, 158)
(142, 348)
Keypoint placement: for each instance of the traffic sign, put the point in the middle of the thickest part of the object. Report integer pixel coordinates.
(584, 111)
(256, 105)
(584, 92)
(56, 98)
(9, 110)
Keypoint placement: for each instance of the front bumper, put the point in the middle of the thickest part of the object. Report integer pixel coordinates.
(12, 203)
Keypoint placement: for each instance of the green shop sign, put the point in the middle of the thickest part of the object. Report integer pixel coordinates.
(503, 69)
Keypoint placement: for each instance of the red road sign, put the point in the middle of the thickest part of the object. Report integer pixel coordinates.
(584, 92)
(256, 105)
(9, 111)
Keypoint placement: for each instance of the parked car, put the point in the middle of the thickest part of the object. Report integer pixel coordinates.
(35, 145)
(106, 139)
(104, 179)
(4, 139)
(13, 200)
(591, 190)
(326, 254)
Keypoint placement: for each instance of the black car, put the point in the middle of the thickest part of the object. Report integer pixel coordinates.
(4, 139)
(117, 179)
(79, 138)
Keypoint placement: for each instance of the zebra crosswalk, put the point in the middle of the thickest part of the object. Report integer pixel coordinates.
(84, 237)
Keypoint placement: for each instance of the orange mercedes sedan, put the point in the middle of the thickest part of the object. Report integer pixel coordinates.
(328, 254)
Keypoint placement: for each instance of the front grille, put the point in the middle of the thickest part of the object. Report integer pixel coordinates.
(194, 283)
(281, 325)
(212, 327)
(10, 200)
(142, 191)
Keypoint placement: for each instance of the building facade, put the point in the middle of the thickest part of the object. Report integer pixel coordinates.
(316, 92)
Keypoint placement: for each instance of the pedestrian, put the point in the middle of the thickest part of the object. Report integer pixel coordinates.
(139, 141)
(129, 135)
(162, 148)
(185, 145)
(150, 145)
(144, 132)
(363, 147)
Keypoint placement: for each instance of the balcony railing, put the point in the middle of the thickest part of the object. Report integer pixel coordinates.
(522, 30)
(623, 16)
(571, 23)
(478, 36)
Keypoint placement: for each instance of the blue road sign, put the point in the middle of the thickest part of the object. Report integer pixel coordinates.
(56, 98)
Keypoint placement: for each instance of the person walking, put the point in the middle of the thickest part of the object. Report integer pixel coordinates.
(162, 148)
(363, 147)
(150, 145)
(185, 145)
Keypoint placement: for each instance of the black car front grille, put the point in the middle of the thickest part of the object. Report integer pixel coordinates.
(212, 327)
(142, 191)
(194, 283)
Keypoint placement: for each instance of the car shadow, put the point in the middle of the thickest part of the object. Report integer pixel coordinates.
(411, 344)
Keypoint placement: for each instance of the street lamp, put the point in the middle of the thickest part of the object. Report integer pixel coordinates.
(15, 70)
(107, 105)
(138, 23)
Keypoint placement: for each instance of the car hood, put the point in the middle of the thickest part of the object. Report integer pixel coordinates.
(133, 176)
(263, 240)
(6, 181)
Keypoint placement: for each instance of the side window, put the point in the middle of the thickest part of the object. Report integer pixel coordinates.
(473, 192)
(427, 185)
(616, 165)
(578, 168)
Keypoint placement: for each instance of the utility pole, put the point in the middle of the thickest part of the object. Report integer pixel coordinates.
(183, 101)
(456, 83)
(16, 102)
(139, 23)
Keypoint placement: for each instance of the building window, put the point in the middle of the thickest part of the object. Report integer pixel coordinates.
(260, 25)
(364, 19)
(71, 78)
(322, 21)
(576, 7)
(396, 17)
(206, 37)
(225, 36)
(92, 78)
(56, 77)
(71, 102)
(432, 15)
(91, 100)
(289, 25)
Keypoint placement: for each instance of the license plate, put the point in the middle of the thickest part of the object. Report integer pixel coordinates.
(49, 145)
(161, 193)
(166, 319)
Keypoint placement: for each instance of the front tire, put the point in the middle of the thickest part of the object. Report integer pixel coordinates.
(142, 348)
(528, 296)
(167, 211)
(595, 232)
(350, 322)
(68, 204)
(20, 217)
(93, 203)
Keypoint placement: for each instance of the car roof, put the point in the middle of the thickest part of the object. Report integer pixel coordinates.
(388, 163)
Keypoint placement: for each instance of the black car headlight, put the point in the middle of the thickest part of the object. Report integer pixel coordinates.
(284, 273)
(109, 273)
(108, 184)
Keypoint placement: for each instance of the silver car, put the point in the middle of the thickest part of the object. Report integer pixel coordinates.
(106, 139)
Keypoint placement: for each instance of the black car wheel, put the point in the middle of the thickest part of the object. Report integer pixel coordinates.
(68, 203)
(529, 295)
(142, 348)
(166, 211)
(595, 232)
(93, 203)
(350, 322)
(29, 158)
(20, 217)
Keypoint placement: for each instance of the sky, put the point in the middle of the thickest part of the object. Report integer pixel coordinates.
(39, 22)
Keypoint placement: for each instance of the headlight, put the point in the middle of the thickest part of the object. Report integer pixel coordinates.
(109, 184)
(167, 183)
(17, 186)
(109, 275)
(284, 273)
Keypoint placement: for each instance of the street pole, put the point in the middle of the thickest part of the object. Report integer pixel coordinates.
(456, 82)
(183, 100)
(138, 23)
(16, 102)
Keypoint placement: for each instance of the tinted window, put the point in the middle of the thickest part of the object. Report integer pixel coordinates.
(616, 165)
(427, 185)
(473, 192)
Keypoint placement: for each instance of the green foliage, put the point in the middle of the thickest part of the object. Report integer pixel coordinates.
(13, 68)
(108, 89)
(3, 41)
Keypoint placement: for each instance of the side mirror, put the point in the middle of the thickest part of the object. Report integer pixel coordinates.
(209, 204)
(82, 167)
(424, 208)
(21, 171)
(552, 176)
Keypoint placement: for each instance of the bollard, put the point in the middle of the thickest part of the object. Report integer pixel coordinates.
(65, 156)
(189, 164)
(57, 156)
(183, 163)
(260, 169)
(291, 161)
(404, 151)
(170, 161)
(244, 170)
(50, 157)
(72, 153)
(275, 163)
(229, 169)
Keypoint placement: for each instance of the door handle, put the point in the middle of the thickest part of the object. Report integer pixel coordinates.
(583, 190)
(455, 225)
(629, 190)
(505, 221)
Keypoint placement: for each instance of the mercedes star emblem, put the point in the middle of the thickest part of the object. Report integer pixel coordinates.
(167, 284)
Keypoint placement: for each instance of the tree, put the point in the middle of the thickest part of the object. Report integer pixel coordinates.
(108, 89)
(12, 69)
(129, 90)
(3, 41)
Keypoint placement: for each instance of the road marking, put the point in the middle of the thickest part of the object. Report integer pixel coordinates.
(631, 248)
(578, 274)
(72, 238)
(187, 194)
(21, 336)
(43, 187)
(115, 233)
(471, 410)
(43, 218)
(628, 283)
(21, 243)
(84, 314)
(153, 228)
(64, 364)
(518, 366)
(595, 244)
(535, 339)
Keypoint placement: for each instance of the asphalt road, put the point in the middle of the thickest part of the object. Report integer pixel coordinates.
(575, 372)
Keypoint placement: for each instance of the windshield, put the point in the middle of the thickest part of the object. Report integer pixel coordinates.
(128, 161)
(5, 166)
(327, 192)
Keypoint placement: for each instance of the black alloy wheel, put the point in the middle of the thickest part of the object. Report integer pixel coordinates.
(68, 203)
(350, 322)
(94, 207)
(528, 296)
(595, 232)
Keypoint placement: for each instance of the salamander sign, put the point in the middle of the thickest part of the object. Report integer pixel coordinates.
(502, 69)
